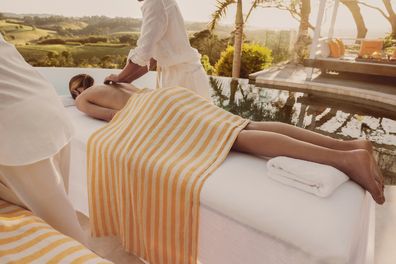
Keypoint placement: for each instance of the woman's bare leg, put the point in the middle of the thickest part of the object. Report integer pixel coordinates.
(315, 138)
(357, 164)
(310, 136)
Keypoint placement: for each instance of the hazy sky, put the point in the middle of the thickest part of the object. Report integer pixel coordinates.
(193, 10)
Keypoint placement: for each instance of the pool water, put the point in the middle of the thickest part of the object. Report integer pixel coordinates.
(332, 117)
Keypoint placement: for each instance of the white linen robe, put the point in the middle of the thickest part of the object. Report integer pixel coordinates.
(164, 38)
(34, 144)
(33, 122)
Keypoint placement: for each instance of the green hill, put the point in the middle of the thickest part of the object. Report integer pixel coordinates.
(21, 34)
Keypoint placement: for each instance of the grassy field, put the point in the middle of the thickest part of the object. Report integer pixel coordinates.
(120, 33)
(21, 34)
(72, 25)
(81, 52)
(25, 37)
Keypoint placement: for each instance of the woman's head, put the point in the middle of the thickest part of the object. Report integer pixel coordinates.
(79, 83)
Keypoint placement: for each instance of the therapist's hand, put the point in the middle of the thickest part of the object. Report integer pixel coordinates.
(130, 73)
(112, 78)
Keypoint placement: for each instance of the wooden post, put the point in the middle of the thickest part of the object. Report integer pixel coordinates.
(315, 40)
(318, 28)
(333, 18)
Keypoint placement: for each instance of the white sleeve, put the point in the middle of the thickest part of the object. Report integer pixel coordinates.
(154, 26)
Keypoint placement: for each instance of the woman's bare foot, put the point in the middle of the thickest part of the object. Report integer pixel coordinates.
(378, 174)
(361, 144)
(367, 145)
(361, 167)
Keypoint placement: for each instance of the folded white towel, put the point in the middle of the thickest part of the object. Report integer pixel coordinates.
(307, 176)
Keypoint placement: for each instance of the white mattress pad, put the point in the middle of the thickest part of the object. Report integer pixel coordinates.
(240, 190)
(330, 230)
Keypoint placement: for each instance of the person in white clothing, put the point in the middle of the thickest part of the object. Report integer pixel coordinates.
(164, 41)
(34, 144)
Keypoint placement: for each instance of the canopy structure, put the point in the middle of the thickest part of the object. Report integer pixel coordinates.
(318, 26)
(378, 68)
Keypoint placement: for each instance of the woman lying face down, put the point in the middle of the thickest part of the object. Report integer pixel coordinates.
(101, 101)
(270, 139)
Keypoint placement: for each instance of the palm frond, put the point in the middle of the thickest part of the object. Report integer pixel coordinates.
(220, 12)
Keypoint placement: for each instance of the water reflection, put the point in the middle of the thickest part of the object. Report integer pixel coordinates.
(333, 117)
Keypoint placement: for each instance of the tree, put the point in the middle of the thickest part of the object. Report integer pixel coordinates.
(206, 65)
(354, 8)
(300, 10)
(240, 21)
(389, 15)
(236, 64)
(301, 46)
(209, 44)
(305, 11)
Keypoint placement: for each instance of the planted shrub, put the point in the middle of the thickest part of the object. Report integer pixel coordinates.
(210, 70)
(55, 41)
(254, 58)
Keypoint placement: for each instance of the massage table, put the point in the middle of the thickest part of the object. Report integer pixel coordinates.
(245, 217)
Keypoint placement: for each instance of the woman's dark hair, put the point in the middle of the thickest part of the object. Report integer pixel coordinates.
(80, 81)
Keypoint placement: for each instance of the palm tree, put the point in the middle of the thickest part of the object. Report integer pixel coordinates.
(219, 13)
(238, 41)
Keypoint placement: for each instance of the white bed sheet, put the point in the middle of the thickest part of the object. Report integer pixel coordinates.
(247, 217)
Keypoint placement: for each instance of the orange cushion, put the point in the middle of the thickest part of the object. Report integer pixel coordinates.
(341, 46)
(334, 47)
(368, 47)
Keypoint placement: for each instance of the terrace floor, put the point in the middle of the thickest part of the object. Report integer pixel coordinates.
(378, 91)
(385, 235)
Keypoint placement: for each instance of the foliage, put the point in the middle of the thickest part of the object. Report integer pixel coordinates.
(75, 55)
(210, 70)
(254, 58)
(90, 39)
(277, 41)
(53, 41)
(247, 106)
(209, 44)
(220, 12)
(389, 41)
(73, 35)
(130, 39)
(218, 97)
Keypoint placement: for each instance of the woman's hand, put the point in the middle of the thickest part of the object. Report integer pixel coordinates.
(112, 78)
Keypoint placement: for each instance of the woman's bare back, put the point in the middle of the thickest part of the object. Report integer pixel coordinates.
(103, 101)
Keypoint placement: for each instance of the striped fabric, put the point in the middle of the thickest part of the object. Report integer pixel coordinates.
(25, 238)
(146, 169)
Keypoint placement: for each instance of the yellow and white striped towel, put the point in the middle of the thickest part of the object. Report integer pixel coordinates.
(25, 238)
(146, 170)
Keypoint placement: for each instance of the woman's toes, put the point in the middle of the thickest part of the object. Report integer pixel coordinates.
(378, 194)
